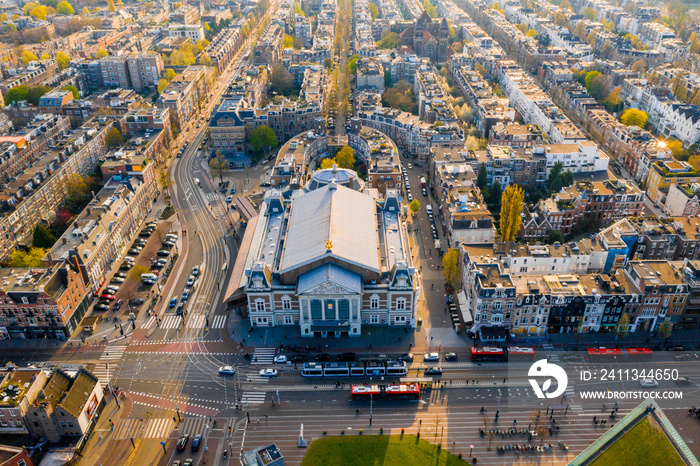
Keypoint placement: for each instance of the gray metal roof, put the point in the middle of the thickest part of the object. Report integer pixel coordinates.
(335, 214)
(330, 273)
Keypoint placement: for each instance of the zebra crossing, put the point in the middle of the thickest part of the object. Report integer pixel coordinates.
(254, 377)
(219, 321)
(252, 398)
(157, 427)
(124, 427)
(102, 370)
(170, 322)
(264, 355)
(212, 197)
(195, 321)
(193, 425)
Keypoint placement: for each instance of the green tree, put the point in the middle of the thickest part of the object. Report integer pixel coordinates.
(205, 59)
(101, 53)
(281, 80)
(29, 7)
(634, 117)
(481, 178)
(638, 67)
(622, 326)
(162, 84)
(45, 56)
(42, 237)
(414, 205)
(73, 89)
(555, 236)
(39, 12)
(31, 258)
(218, 164)
(345, 157)
(65, 8)
(35, 93)
(450, 267)
(114, 138)
(589, 78)
(27, 56)
(287, 41)
(63, 60)
(389, 41)
(16, 94)
(328, 63)
(675, 146)
(511, 208)
(169, 74)
(110, 6)
(262, 138)
(327, 163)
(663, 330)
(85, 11)
(374, 10)
(136, 272)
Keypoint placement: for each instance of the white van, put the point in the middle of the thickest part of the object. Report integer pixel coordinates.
(429, 208)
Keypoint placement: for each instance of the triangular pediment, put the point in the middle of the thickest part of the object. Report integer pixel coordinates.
(327, 288)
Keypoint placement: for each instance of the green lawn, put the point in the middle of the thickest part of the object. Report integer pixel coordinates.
(368, 450)
(644, 444)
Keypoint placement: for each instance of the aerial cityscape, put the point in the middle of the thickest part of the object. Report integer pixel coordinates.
(349, 232)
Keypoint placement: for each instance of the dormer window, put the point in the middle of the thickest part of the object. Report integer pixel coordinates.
(257, 282)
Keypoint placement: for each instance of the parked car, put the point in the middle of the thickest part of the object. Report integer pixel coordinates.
(107, 296)
(134, 251)
(410, 166)
(111, 289)
(346, 357)
(323, 357)
(158, 265)
(102, 307)
(173, 302)
(406, 357)
(227, 370)
(126, 266)
(431, 357)
(188, 462)
(182, 442)
(268, 373)
(299, 358)
(118, 305)
(137, 302)
(433, 370)
(676, 348)
(120, 275)
(424, 192)
(145, 233)
(117, 280)
(281, 359)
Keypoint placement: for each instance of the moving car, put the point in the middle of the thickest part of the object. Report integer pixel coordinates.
(433, 371)
(196, 441)
(406, 357)
(179, 310)
(182, 442)
(190, 281)
(323, 357)
(185, 296)
(410, 165)
(173, 302)
(137, 301)
(424, 192)
(268, 373)
(118, 305)
(281, 359)
(229, 199)
(682, 357)
(648, 383)
(451, 357)
(227, 370)
(188, 462)
(684, 381)
(430, 357)
(195, 271)
(299, 358)
(676, 348)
